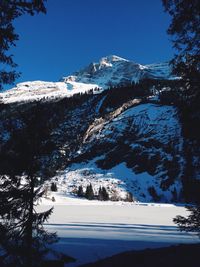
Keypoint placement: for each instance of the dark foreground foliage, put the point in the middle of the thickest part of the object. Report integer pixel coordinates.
(9, 12)
(190, 223)
(176, 256)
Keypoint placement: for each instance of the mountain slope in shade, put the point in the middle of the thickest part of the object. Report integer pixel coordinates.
(115, 139)
(131, 152)
(109, 71)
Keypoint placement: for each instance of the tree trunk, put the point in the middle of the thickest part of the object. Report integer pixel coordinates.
(30, 223)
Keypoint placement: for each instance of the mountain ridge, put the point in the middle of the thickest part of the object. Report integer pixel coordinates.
(119, 71)
(109, 71)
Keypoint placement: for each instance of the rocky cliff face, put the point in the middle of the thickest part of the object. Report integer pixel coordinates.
(138, 149)
(113, 70)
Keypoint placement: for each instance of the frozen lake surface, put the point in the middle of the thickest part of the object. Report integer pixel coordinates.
(92, 230)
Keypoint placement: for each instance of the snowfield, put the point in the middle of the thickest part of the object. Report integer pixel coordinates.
(92, 230)
(43, 91)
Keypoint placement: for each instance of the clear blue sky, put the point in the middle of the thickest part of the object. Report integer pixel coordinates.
(77, 32)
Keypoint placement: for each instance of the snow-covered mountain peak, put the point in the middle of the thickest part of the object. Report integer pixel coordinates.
(114, 70)
(103, 63)
(112, 58)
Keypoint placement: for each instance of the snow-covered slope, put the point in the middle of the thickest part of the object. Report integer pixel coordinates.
(131, 151)
(42, 91)
(123, 143)
(37, 90)
(109, 71)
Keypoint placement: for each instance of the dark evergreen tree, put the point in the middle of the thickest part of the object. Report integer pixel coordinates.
(89, 194)
(9, 11)
(185, 30)
(80, 192)
(153, 193)
(105, 194)
(129, 197)
(190, 223)
(23, 239)
(174, 195)
(100, 195)
(54, 187)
